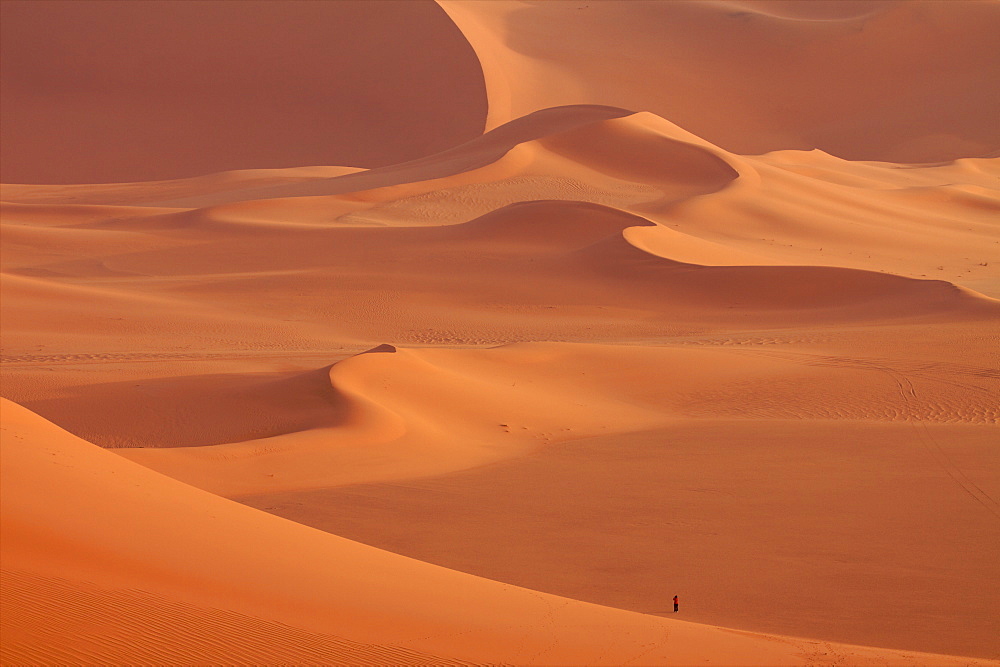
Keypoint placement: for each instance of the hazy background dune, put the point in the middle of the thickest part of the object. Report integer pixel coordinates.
(105, 91)
(863, 81)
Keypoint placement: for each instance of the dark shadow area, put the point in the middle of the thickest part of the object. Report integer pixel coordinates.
(121, 91)
(195, 410)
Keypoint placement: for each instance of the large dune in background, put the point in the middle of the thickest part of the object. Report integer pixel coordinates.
(106, 91)
(901, 81)
(711, 309)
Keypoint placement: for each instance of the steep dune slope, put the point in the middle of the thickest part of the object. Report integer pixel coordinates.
(98, 92)
(879, 80)
(407, 412)
(276, 590)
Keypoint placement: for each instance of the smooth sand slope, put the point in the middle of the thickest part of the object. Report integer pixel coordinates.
(166, 89)
(901, 81)
(86, 532)
(705, 442)
(751, 470)
(711, 309)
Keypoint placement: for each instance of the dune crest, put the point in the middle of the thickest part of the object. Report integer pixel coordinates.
(420, 412)
(762, 208)
(770, 70)
(412, 412)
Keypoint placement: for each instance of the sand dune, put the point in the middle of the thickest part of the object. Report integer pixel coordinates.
(320, 596)
(189, 89)
(790, 207)
(432, 412)
(708, 309)
(771, 68)
(776, 209)
(425, 413)
(554, 262)
(675, 196)
(510, 150)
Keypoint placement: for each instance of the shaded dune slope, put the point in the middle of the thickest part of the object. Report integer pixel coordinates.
(198, 410)
(654, 158)
(281, 85)
(417, 412)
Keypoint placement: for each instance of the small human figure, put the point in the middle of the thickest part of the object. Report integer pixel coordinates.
(676, 606)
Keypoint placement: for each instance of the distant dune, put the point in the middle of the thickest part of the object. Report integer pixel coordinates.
(105, 91)
(368, 333)
(860, 80)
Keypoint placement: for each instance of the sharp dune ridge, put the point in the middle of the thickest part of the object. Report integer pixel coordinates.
(465, 333)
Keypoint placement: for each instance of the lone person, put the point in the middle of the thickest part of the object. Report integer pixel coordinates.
(676, 605)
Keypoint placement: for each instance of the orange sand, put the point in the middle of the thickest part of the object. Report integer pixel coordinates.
(710, 309)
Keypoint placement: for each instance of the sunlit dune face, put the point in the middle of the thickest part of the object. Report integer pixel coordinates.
(898, 81)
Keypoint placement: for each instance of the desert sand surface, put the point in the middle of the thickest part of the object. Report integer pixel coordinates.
(473, 332)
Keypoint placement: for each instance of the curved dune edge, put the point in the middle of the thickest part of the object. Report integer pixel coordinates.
(592, 143)
(120, 273)
(762, 97)
(411, 413)
(711, 206)
(289, 583)
(401, 413)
